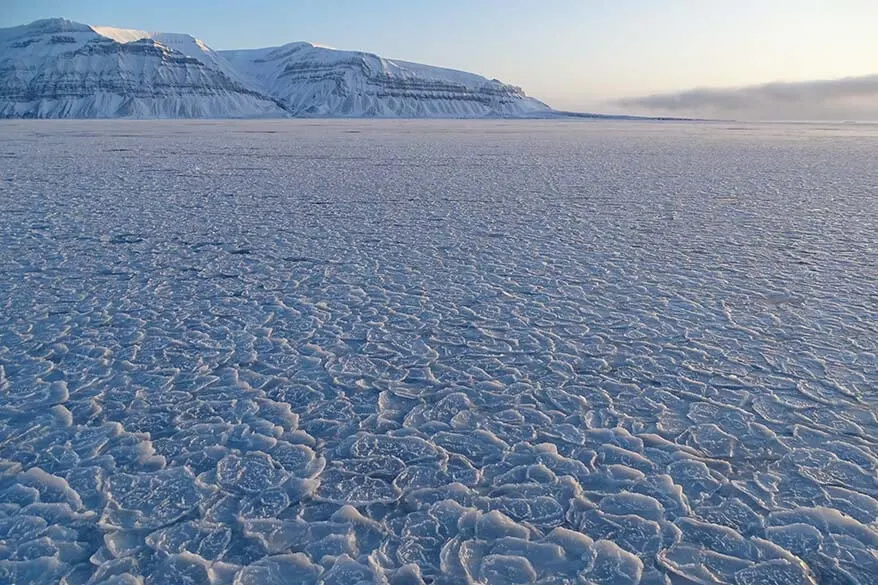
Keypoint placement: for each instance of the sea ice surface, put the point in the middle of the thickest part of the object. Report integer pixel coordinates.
(417, 352)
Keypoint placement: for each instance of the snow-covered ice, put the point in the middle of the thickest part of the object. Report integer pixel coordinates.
(438, 352)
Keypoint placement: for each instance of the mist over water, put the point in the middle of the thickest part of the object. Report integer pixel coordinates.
(846, 99)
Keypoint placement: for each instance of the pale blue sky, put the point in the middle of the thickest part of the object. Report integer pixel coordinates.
(573, 54)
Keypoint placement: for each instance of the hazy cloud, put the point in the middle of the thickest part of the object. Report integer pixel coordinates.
(851, 98)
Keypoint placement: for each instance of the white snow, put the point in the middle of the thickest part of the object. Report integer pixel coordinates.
(61, 69)
(437, 352)
(318, 81)
(186, 44)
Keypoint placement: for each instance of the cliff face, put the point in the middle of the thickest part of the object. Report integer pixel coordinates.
(61, 69)
(316, 81)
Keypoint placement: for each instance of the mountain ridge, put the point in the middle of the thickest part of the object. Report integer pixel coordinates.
(56, 68)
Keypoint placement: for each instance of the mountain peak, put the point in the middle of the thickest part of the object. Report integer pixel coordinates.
(48, 69)
(57, 25)
(44, 26)
(128, 35)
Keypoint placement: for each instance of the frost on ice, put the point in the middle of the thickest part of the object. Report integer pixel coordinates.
(408, 353)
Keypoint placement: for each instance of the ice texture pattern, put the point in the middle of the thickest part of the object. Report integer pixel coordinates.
(438, 352)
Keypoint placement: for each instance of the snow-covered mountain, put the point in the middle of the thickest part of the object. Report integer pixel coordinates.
(186, 44)
(56, 68)
(311, 80)
(61, 69)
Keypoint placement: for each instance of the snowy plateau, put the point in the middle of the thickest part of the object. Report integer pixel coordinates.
(56, 68)
(403, 352)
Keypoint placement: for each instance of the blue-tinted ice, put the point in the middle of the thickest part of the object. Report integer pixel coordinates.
(438, 352)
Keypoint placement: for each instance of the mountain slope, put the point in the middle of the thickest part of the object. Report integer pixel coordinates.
(61, 69)
(56, 68)
(317, 81)
(186, 44)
